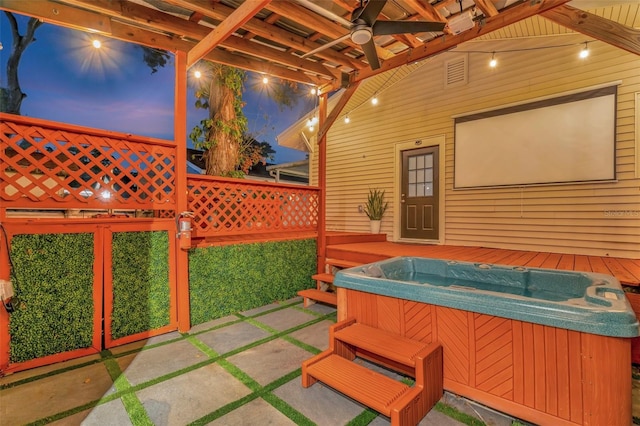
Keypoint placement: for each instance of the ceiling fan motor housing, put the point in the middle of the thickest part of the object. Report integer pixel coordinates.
(361, 34)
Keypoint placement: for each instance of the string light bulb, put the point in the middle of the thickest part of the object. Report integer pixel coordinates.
(374, 100)
(313, 91)
(197, 74)
(493, 62)
(96, 44)
(584, 52)
(265, 80)
(346, 119)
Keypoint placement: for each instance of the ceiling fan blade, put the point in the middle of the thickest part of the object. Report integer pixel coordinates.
(369, 49)
(371, 11)
(326, 46)
(402, 27)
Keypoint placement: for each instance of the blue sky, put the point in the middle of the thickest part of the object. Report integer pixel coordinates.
(111, 88)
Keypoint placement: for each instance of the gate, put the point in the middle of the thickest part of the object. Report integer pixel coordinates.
(88, 229)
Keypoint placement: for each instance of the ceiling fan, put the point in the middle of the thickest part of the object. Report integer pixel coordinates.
(364, 26)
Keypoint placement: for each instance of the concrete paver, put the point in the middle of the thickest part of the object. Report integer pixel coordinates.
(285, 319)
(319, 403)
(188, 397)
(270, 361)
(143, 366)
(316, 335)
(53, 394)
(109, 413)
(232, 337)
(256, 412)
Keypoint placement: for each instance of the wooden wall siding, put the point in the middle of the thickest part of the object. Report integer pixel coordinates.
(542, 374)
(569, 218)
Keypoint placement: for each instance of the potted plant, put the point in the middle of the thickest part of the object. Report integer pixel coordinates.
(375, 208)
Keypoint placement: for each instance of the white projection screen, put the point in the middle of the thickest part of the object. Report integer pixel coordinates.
(565, 139)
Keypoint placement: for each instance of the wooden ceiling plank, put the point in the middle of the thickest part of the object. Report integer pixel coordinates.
(337, 109)
(54, 13)
(313, 21)
(307, 18)
(268, 31)
(140, 14)
(441, 44)
(426, 10)
(487, 7)
(239, 17)
(611, 32)
(283, 58)
(70, 17)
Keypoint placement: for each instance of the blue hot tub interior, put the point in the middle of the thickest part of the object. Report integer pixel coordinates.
(580, 301)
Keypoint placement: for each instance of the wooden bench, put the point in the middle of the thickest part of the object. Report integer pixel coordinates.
(405, 405)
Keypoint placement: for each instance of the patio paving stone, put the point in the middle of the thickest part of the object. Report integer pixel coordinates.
(261, 309)
(110, 413)
(316, 335)
(321, 308)
(214, 323)
(319, 403)
(234, 336)
(188, 397)
(256, 412)
(143, 366)
(285, 319)
(270, 361)
(146, 342)
(50, 395)
(34, 372)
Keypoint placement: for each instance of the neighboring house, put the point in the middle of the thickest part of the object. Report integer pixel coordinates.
(419, 117)
(294, 173)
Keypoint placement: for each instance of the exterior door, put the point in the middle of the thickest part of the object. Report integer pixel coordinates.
(419, 196)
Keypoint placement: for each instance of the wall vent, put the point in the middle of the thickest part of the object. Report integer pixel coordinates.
(456, 71)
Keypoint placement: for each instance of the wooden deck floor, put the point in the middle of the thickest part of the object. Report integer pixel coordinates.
(627, 271)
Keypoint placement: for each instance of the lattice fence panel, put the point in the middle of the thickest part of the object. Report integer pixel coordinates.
(47, 167)
(234, 207)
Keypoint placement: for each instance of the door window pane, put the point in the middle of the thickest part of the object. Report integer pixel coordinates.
(420, 175)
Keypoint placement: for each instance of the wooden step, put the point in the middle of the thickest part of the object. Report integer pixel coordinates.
(325, 278)
(341, 263)
(381, 342)
(313, 294)
(365, 386)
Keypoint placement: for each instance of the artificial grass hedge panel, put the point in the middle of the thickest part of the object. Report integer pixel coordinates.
(141, 289)
(234, 278)
(54, 288)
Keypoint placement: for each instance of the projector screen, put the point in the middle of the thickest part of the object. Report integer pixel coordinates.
(565, 139)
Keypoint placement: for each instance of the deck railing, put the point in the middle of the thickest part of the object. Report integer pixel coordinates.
(226, 207)
(50, 165)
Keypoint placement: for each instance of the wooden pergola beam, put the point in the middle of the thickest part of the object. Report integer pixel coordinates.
(337, 109)
(268, 31)
(618, 35)
(239, 17)
(441, 44)
(487, 7)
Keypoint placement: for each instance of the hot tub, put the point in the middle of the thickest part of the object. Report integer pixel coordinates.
(547, 346)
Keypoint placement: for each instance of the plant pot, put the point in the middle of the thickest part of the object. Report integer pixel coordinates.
(375, 226)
